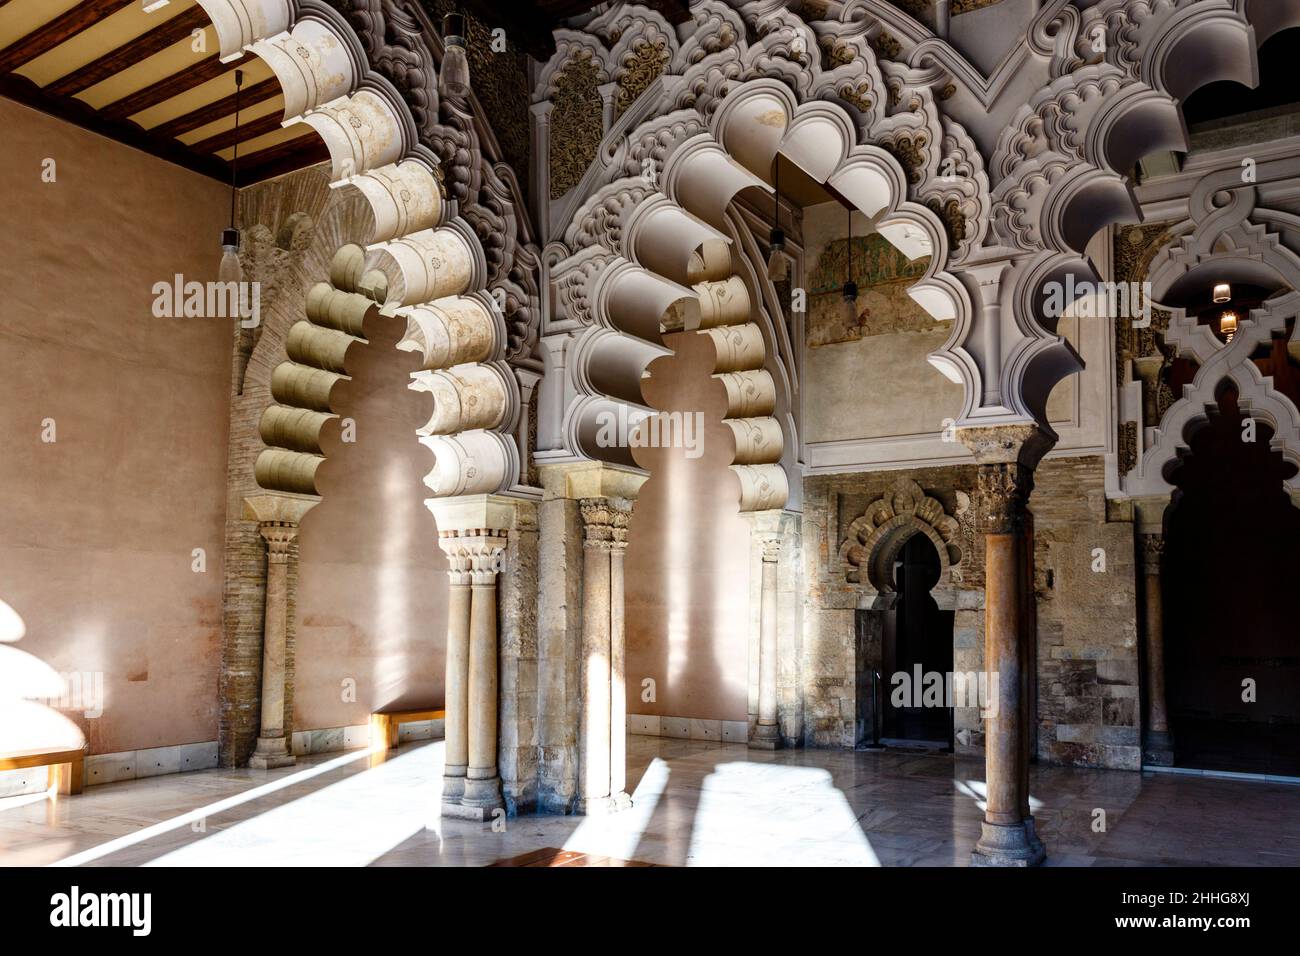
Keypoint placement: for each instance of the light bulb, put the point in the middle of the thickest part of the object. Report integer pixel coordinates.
(1228, 324)
(453, 77)
(231, 270)
(1222, 293)
(778, 266)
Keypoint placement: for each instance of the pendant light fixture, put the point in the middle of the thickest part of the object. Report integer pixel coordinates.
(453, 76)
(1228, 325)
(778, 266)
(230, 270)
(849, 309)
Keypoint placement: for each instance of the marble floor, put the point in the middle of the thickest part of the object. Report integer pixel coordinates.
(696, 803)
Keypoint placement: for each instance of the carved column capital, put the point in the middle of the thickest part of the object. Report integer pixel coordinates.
(1152, 552)
(1004, 489)
(604, 523)
(476, 555)
(769, 544)
(279, 537)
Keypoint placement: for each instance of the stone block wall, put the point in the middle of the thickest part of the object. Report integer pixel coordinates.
(1088, 709)
(1089, 712)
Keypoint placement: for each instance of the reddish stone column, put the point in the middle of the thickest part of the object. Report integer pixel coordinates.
(1006, 457)
(1159, 743)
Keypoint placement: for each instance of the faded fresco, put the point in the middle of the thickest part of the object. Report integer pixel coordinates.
(883, 275)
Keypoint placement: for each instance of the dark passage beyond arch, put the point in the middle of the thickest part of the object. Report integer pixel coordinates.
(1232, 594)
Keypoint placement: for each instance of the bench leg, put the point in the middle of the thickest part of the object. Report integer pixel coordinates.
(67, 777)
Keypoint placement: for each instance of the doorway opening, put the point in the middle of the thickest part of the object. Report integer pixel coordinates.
(1232, 601)
(917, 655)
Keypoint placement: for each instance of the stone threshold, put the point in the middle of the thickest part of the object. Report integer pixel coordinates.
(1224, 774)
(688, 728)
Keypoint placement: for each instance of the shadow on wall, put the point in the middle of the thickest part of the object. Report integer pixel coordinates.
(687, 571)
(372, 587)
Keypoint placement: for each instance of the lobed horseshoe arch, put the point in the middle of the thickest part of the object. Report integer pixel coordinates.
(423, 263)
(677, 259)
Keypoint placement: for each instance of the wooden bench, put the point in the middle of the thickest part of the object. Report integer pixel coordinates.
(66, 766)
(383, 729)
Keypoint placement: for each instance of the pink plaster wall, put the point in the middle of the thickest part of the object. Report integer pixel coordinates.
(372, 583)
(99, 526)
(687, 565)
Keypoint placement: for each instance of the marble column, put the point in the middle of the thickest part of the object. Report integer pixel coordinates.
(1159, 744)
(473, 531)
(482, 781)
(1006, 457)
(766, 734)
(456, 683)
(602, 728)
(272, 748)
(278, 516)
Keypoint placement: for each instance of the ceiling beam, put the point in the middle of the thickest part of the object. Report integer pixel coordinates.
(130, 53)
(62, 28)
(292, 154)
(71, 110)
(258, 127)
(214, 111)
(206, 69)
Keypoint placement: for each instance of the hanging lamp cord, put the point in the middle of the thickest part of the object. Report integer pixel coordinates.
(234, 163)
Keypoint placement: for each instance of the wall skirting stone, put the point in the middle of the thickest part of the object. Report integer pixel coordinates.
(688, 728)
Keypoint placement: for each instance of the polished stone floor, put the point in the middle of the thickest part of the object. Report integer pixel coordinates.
(696, 803)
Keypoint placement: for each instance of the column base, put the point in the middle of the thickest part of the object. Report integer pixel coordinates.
(1008, 845)
(765, 737)
(483, 793)
(453, 787)
(1159, 749)
(603, 806)
(271, 752)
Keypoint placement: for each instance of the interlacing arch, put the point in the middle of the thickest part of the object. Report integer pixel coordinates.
(424, 264)
(674, 263)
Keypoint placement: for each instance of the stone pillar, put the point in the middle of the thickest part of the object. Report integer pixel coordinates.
(456, 683)
(581, 687)
(765, 734)
(482, 782)
(602, 731)
(472, 531)
(272, 748)
(278, 516)
(1006, 457)
(1159, 744)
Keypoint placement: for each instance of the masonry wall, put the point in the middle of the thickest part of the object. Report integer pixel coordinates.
(1088, 710)
(1089, 713)
(96, 547)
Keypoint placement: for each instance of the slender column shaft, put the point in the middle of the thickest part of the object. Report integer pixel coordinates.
(1007, 837)
(602, 726)
(766, 734)
(456, 723)
(1158, 746)
(482, 784)
(1002, 657)
(594, 729)
(272, 748)
(617, 683)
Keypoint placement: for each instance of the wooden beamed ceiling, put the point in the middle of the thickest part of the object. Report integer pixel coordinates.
(152, 80)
